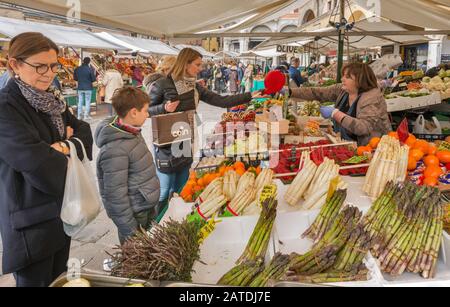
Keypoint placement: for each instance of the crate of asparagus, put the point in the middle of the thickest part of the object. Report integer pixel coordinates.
(328, 246)
(237, 251)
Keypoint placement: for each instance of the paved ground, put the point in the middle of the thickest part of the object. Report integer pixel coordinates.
(100, 237)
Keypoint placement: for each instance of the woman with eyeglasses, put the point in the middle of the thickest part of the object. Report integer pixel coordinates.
(35, 127)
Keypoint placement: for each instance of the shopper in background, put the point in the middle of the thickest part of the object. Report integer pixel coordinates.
(234, 80)
(85, 76)
(35, 125)
(138, 76)
(361, 111)
(182, 79)
(162, 71)
(111, 81)
(248, 78)
(125, 169)
(241, 71)
(294, 73)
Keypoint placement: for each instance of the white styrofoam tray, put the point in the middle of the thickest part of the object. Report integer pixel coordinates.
(221, 250)
(289, 228)
(442, 278)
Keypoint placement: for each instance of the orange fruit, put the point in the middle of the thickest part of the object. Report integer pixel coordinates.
(193, 175)
(240, 171)
(374, 142)
(422, 146)
(364, 149)
(222, 170)
(411, 140)
(192, 182)
(239, 164)
(197, 189)
(416, 154)
(432, 149)
(394, 135)
(431, 160)
(258, 170)
(433, 171)
(201, 182)
(443, 156)
(207, 179)
(430, 181)
(412, 164)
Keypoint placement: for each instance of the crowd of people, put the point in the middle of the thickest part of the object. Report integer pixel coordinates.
(36, 127)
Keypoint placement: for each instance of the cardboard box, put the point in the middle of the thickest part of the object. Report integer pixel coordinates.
(272, 127)
(171, 128)
(405, 103)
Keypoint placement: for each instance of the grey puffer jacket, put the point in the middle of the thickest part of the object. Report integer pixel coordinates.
(126, 175)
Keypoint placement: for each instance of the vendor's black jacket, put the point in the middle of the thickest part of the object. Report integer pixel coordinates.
(164, 90)
(32, 180)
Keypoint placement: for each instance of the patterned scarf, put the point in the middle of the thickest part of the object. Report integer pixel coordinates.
(186, 85)
(50, 102)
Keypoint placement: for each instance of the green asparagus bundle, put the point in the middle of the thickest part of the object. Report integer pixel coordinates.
(274, 271)
(259, 241)
(406, 224)
(328, 213)
(243, 274)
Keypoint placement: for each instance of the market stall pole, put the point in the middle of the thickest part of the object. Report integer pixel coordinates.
(341, 29)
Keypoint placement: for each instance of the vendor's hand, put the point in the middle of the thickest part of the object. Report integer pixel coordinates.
(327, 112)
(69, 132)
(259, 94)
(170, 107)
(202, 83)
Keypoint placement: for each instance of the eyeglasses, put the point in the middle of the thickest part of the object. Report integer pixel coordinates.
(43, 68)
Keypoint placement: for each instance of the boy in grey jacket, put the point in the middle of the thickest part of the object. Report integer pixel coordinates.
(126, 172)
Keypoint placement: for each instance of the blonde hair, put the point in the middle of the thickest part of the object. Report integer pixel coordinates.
(186, 56)
(166, 64)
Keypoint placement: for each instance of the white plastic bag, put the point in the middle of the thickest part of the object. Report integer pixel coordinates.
(81, 203)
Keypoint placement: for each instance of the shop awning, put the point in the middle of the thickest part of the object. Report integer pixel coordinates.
(61, 35)
(202, 50)
(226, 54)
(163, 17)
(141, 45)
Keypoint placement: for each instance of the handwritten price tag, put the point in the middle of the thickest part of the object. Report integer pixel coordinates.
(206, 230)
(268, 191)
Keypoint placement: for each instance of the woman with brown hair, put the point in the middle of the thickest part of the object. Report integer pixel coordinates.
(35, 125)
(360, 112)
(173, 172)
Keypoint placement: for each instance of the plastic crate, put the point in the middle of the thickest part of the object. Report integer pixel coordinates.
(431, 137)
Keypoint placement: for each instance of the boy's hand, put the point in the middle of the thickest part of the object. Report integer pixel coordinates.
(171, 106)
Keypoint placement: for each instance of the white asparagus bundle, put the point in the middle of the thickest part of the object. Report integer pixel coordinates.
(264, 178)
(319, 198)
(213, 190)
(230, 182)
(389, 163)
(213, 205)
(252, 209)
(326, 172)
(248, 179)
(301, 181)
(243, 200)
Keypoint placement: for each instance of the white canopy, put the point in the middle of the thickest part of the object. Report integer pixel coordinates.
(202, 50)
(163, 17)
(62, 36)
(146, 46)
